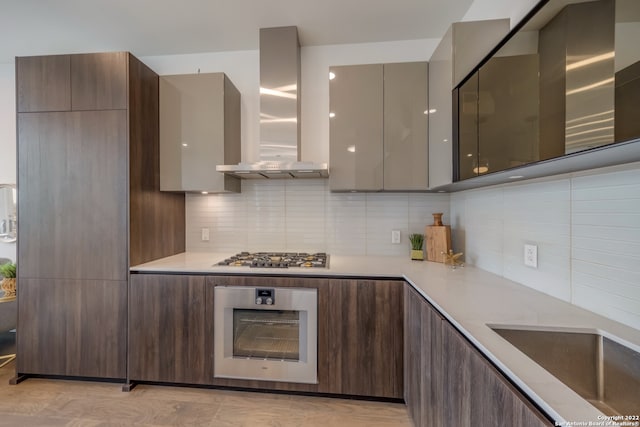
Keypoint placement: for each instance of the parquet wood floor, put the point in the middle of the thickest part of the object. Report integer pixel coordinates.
(43, 402)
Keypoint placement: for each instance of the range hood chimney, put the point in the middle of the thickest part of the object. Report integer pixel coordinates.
(279, 112)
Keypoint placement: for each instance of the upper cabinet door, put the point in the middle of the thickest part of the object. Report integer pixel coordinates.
(99, 81)
(468, 164)
(462, 47)
(43, 83)
(199, 127)
(565, 83)
(405, 126)
(356, 128)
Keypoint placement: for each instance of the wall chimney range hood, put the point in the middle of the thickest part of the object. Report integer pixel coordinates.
(279, 112)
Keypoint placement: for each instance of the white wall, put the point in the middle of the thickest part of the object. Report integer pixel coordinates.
(7, 139)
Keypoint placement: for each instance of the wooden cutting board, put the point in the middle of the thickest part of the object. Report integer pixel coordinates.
(438, 241)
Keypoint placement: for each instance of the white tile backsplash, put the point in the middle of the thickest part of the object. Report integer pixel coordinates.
(303, 215)
(586, 227)
(606, 244)
(346, 215)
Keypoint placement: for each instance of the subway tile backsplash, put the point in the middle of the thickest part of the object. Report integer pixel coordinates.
(303, 215)
(605, 246)
(586, 227)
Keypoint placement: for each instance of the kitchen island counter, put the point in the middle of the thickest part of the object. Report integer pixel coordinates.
(469, 298)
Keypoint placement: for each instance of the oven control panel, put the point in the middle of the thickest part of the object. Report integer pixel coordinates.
(265, 296)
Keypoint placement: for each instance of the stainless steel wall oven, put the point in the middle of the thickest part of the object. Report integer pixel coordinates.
(266, 333)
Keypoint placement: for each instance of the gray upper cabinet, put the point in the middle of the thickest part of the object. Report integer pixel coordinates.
(355, 118)
(199, 128)
(378, 127)
(405, 126)
(559, 94)
(461, 48)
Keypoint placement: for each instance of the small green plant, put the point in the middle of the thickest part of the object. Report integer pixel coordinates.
(417, 240)
(8, 270)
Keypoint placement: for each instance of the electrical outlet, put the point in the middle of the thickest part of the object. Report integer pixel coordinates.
(205, 235)
(395, 237)
(531, 256)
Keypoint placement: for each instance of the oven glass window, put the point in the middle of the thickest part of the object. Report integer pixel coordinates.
(266, 334)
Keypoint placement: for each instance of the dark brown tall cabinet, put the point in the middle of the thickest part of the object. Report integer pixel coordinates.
(89, 206)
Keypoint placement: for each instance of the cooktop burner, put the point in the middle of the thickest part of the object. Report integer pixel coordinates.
(277, 260)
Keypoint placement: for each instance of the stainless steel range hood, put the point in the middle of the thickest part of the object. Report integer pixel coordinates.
(279, 112)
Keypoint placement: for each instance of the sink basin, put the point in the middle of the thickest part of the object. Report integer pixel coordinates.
(601, 370)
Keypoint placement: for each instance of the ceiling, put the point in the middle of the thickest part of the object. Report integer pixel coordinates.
(166, 27)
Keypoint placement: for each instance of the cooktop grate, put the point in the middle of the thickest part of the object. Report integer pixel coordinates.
(277, 260)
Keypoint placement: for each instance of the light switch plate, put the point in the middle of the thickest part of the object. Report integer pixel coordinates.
(205, 235)
(395, 237)
(531, 256)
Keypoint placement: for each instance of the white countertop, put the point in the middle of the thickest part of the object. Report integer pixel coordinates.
(469, 298)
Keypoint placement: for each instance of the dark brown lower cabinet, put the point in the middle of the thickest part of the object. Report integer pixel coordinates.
(423, 360)
(167, 329)
(360, 332)
(365, 337)
(448, 382)
(72, 328)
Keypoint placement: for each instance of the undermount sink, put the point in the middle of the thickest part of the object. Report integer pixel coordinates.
(601, 370)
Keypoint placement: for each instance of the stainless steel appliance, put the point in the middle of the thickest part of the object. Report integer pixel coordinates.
(277, 260)
(266, 333)
(280, 119)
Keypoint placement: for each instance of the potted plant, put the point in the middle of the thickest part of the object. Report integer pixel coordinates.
(8, 284)
(417, 241)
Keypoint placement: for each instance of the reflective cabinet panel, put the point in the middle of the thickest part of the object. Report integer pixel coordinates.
(406, 149)
(356, 129)
(567, 81)
(468, 165)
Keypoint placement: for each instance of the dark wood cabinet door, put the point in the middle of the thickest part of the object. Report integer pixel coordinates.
(72, 173)
(432, 365)
(43, 83)
(413, 354)
(423, 360)
(72, 328)
(365, 337)
(99, 81)
(167, 333)
(476, 394)
(450, 383)
(496, 402)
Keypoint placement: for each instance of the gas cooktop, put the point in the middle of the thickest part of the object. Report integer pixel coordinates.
(277, 260)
